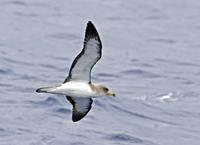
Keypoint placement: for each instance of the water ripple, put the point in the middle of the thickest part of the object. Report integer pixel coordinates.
(16, 62)
(49, 66)
(62, 110)
(20, 14)
(2, 130)
(108, 75)
(142, 116)
(163, 40)
(47, 102)
(124, 137)
(22, 130)
(6, 71)
(99, 103)
(6, 132)
(128, 138)
(27, 77)
(65, 36)
(20, 3)
(178, 63)
(77, 143)
(141, 73)
(5, 85)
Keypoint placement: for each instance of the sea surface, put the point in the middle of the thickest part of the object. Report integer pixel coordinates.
(151, 60)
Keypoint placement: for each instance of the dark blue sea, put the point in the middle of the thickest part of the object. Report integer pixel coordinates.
(151, 60)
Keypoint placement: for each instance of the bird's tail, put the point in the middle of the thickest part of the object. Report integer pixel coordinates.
(45, 90)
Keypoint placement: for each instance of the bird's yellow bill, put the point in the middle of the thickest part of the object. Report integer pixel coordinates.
(109, 93)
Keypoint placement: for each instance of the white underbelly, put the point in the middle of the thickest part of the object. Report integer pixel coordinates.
(75, 89)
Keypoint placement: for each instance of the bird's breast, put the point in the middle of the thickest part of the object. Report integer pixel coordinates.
(76, 89)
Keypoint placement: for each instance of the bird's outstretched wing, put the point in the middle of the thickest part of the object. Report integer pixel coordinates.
(81, 106)
(88, 57)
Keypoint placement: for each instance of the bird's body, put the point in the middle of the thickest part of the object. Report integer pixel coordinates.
(73, 88)
(78, 87)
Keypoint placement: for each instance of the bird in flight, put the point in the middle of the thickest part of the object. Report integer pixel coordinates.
(77, 87)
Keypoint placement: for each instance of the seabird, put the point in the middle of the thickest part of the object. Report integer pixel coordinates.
(77, 87)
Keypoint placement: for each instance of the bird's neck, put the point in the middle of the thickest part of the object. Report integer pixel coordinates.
(95, 87)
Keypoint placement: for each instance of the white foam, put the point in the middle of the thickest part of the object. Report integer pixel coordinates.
(170, 97)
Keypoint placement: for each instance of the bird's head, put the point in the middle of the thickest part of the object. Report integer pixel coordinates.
(103, 90)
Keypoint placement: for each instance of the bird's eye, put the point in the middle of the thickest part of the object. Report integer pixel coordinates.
(106, 89)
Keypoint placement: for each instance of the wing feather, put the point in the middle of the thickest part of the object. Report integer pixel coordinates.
(88, 57)
(81, 106)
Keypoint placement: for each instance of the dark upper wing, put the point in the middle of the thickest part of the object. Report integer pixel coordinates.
(81, 106)
(88, 57)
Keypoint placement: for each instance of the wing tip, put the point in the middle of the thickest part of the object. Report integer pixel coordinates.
(91, 30)
(76, 118)
(90, 23)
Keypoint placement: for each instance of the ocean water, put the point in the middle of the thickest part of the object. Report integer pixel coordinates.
(151, 60)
